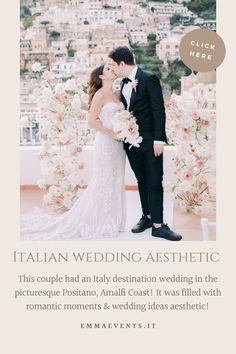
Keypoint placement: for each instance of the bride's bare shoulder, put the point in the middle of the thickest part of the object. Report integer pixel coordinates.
(99, 93)
(98, 97)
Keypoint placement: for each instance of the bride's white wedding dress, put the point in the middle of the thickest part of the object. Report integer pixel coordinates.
(100, 210)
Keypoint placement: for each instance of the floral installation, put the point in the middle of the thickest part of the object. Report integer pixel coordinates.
(191, 127)
(124, 124)
(62, 122)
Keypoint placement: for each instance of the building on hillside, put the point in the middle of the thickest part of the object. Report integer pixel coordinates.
(138, 35)
(168, 48)
(78, 44)
(162, 22)
(163, 8)
(25, 45)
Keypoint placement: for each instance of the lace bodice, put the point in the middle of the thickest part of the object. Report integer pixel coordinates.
(108, 110)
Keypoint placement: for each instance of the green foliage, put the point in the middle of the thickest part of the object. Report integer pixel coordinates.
(86, 22)
(145, 60)
(23, 71)
(55, 34)
(176, 19)
(143, 4)
(203, 8)
(28, 21)
(152, 37)
(120, 21)
(25, 12)
(173, 81)
(148, 50)
(176, 69)
(71, 52)
(45, 23)
(161, 0)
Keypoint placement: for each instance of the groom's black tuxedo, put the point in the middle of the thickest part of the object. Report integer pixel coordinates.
(147, 105)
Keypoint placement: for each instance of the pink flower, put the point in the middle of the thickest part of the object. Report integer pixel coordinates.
(60, 117)
(61, 174)
(202, 180)
(79, 87)
(82, 116)
(213, 115)
(196, 196)
(205, 122)
(177, 161)
(200, 163)
(195, 116)
(188, 175)
(185, 130)
(57, 202)
(41, 155)
(177, 126)
(82, 185)
(185, 137)
(65, 97)
(133, 128)
(62, 143)
(57, 96)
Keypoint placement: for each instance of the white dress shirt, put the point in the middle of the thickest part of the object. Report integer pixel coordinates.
(127, 92)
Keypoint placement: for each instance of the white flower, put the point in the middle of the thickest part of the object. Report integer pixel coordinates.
(58, 107)
(124, 123)
(190, 160)
(134, 84)
(47, 75)
(68, 195)
(36, 67)
(60, 88)
(47, 198)
(37, 92)
(84, 97)
(24, 122)
(46, 146)
(47, 92)
(70, 85)
(76, 103)
(53, 190)
(167, 186)
(67, 202)
(184, 186)
(42, 184)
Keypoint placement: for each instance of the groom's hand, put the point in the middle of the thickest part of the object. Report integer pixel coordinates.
(158, 149)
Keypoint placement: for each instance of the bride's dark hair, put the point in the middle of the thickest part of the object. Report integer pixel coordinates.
(95, 83)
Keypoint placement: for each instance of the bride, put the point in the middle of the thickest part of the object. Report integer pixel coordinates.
(100, 211)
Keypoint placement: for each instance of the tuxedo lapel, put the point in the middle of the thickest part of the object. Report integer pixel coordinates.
(123, 100)
(134, 91)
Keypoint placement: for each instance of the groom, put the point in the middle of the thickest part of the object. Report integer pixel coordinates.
(141, 94)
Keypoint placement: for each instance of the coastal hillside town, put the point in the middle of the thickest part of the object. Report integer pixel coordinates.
(71, 37)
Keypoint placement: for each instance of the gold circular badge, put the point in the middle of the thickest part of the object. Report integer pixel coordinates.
(202, 50)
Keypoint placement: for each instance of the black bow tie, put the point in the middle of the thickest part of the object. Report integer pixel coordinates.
(126, 80)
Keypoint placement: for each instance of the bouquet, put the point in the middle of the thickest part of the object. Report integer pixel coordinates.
(124, 124)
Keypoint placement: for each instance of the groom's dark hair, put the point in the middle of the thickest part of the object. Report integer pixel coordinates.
(122, 54)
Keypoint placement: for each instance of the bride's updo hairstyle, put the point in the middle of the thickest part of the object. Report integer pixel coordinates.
(95, 83)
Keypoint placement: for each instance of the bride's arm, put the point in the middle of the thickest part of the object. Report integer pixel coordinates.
(93, 116)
